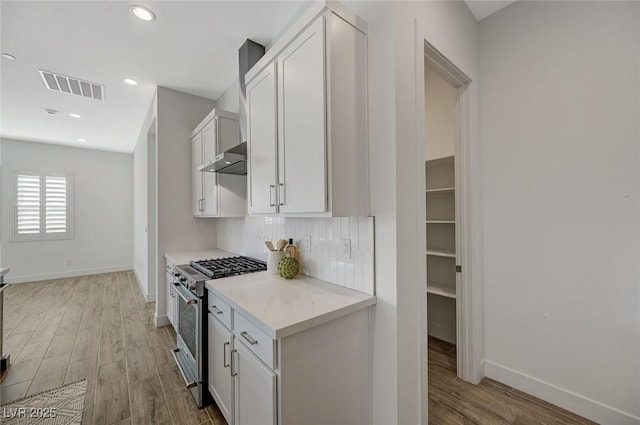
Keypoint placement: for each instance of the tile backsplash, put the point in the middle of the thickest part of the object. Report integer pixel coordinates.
(327, 259)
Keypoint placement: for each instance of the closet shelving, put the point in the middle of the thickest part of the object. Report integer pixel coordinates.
(441, 227)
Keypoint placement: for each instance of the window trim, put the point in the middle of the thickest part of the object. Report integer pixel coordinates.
(42, 236)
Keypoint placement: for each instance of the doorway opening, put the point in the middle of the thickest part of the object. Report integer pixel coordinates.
(441, 208)
(450, 296)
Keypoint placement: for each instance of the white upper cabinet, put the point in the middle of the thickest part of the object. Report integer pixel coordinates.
(261, 151)
(214, 194)
(209, 180)
(196, 176)
(307, 122)
(302, 139)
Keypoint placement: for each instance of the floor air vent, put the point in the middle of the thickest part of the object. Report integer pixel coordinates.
(71, 85)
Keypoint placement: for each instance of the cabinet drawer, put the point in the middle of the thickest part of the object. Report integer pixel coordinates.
(255, 339)
(220, 309)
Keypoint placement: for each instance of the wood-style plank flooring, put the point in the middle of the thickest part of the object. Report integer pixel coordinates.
(99, 327)
(96, 327)
(453, 401)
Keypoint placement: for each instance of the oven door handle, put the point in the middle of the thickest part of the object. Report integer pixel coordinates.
(187, 296)
(186, 382)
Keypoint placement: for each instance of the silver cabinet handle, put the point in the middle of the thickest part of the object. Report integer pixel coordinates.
(234, 370)
(224, 355)
(248, 338)
(281, 193)
(204, 205)
(216, 310)
(272, 187)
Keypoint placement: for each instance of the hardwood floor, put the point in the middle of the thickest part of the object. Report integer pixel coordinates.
(453, 401)
(99, 328)
(96, 327)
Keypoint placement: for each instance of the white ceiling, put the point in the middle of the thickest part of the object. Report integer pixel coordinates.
(191, 47)
(483, 8)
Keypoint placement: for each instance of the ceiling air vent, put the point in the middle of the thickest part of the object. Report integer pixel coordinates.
(71, 85)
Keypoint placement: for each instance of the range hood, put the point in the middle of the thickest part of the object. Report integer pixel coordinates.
(232, 161)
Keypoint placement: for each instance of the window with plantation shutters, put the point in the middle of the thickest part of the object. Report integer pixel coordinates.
(42, 206)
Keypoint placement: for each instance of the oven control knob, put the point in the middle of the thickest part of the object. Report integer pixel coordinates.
(183, 279)
(176, 274)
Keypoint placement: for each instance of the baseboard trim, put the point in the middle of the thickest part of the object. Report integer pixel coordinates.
(147, 297)
(161, 321)
(66, 274)
(566, 399)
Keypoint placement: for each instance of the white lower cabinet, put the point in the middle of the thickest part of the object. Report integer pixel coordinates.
(255, 389)
(316, 376)
(220, 378)
(243, 387)
(172, 299)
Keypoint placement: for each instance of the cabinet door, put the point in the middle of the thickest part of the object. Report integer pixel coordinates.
(261, 149)
(170, 295)
(196, 176)
(220, 379)
(209, 186)
(302, 123)
(255, 389)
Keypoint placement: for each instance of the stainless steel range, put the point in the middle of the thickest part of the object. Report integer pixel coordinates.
(191, 350)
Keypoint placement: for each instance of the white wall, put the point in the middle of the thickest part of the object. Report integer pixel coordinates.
(1, 197)
(102, 212)
(178, 231)
(559, 113)
(230, 99)
(140, 196)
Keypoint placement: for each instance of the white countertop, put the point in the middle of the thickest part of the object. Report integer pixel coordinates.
(278, 306)
(178, 258)
(282, 307)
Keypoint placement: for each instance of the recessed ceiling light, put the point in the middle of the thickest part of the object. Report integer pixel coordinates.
(142, 12)
(228, 162)
(82, 140)
(130, 81)
(75, 115)
(8, 56)
(50, 111)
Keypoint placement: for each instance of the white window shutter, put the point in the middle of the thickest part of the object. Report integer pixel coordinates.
(27, 205)
(56, 205)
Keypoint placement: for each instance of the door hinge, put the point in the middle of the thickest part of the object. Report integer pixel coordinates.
(458, 269)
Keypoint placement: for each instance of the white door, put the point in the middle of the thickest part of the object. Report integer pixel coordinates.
(196, 176)
(255, 389)
(219, 362)
(302, 126)
(209, 187)
(261, 149)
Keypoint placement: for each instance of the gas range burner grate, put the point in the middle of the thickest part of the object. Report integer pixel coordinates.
(230, 266)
